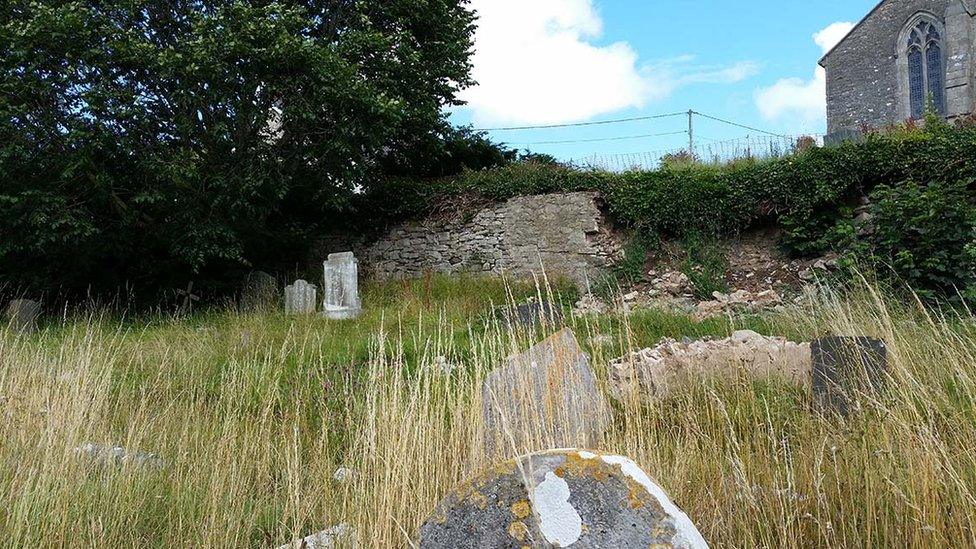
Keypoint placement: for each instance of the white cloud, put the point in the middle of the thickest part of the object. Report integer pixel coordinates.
(804, 102)
(535, 63)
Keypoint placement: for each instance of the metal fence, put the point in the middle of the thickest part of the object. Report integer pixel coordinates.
(706, 151)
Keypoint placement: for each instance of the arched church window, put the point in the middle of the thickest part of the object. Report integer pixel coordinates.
(925, 69)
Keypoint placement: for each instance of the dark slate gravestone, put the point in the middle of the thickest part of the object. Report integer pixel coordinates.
(531, 314)
(560, 498)
(846, 366)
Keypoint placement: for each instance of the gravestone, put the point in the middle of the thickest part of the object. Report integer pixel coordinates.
(342, 287)
(300, 298)
(21, 314)
(844, 367)
(560, 498)
(260, 292)
(532, 313)
(546, 397)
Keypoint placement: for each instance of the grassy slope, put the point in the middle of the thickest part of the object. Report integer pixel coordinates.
(253, 413)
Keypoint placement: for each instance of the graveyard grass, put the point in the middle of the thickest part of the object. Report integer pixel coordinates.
(252, 414)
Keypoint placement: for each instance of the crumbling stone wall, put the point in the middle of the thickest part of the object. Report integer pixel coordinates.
(567, 233)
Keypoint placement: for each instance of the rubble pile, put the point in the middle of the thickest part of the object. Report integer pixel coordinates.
(654, 373)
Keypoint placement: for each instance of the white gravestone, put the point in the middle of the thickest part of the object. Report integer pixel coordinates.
(300, 298)
(342, 287)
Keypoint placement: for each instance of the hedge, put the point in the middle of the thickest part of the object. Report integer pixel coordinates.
(811, 194)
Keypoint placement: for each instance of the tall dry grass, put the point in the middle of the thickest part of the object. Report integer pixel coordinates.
(252, 415)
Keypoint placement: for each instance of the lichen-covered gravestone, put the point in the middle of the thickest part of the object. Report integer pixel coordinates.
(342, 287)
(560, 498)
(845, 367)
(260, 292)
(546, 397)
(21, 314)
(300, 298)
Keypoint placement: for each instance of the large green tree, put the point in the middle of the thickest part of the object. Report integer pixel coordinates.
(145, 142)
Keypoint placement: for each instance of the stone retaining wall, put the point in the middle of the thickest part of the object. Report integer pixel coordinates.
(567, 233)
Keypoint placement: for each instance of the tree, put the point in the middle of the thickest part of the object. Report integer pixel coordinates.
(147, 141)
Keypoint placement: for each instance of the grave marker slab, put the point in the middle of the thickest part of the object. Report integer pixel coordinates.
(844, 367)
(260, 292)
(560, 498)
(21, 314)
(546, 397)
(341, 287)
(300, 298)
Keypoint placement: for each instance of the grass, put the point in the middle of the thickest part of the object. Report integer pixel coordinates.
(253, 413)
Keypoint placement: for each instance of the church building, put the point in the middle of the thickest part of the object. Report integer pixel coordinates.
(903, 58)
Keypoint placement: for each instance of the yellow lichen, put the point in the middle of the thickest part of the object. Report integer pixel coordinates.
(478, 499)
(522, 509)
(518, 531)
(577, 466)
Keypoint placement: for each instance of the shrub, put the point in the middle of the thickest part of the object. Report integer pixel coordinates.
(926, 234)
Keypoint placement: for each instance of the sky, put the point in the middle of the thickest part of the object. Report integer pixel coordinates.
(753, 62)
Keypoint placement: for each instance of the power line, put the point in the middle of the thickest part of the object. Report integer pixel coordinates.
(645, 136)
(581, 124)
(715, 118)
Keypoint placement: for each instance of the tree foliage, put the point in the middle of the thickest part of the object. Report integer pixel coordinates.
(145, 142)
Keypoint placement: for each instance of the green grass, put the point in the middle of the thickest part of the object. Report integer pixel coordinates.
(254, 412)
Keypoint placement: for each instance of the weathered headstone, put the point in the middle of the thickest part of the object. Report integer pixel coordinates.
(21, 314)
(844, 367)
(342, 287)
(560, 498)
(546, 397)
(300, 298)
(260, 292)
(532, 313)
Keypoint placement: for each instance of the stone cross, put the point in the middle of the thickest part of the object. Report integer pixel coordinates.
(188, 298)
(300, 298)
(342, 287)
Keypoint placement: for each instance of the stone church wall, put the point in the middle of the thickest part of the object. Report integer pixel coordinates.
(567, 233)
(867, 72)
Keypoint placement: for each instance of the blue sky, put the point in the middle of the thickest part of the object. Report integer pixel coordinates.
(567, 61)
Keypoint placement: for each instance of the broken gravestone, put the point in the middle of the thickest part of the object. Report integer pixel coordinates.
(845, 367)
(546, 397)
(341, 535)
(118, 456)
(342, 287)
(260, 292)
(560, 498)
(21, 315)
(300, 298)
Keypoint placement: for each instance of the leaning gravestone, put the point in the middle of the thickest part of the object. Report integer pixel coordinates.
(560, 498)
(342, 287)
(300, 298)
(844, 367)
(546, 397)
(21, 314)
(260, 292)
